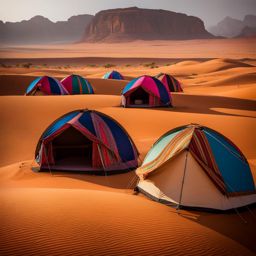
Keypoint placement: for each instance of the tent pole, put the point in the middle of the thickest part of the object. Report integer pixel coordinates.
(183, 180)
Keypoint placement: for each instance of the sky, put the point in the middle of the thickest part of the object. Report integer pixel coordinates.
(210, 11)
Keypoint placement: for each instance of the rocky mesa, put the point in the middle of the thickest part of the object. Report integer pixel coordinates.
(144, 24)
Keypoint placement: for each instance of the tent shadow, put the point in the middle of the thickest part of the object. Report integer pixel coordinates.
(206, 104)
(237, 224)
(127, 180)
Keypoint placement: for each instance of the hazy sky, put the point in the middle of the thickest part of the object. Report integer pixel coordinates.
(210, 11)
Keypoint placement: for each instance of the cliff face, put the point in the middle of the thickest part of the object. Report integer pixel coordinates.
(134, 23)
(41, 30)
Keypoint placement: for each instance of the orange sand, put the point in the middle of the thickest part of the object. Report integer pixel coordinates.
(74, 214)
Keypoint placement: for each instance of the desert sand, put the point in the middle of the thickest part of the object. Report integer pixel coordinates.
(76, 214)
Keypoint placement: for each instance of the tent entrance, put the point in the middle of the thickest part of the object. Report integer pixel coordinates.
(72, 149)
(139, 97)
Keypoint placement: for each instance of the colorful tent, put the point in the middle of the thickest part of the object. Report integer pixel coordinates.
(145, 91)
(86, 140)
(113, 75)
(195, 166)
(46, 85)
(171, 83)
(76, 84)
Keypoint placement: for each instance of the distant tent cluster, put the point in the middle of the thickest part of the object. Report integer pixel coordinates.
(143, 91)
(189, 166)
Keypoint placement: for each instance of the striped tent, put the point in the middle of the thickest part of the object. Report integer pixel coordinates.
(171, 83)
(195, 166)
(46, 85)
(76, 84)
(86, 140)
(145, 91)
(113, 75)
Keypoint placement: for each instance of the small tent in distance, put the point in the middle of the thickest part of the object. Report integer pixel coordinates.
(46, 85)
(76, 84)
(145, 91)
(113, 75)
(89, 141)
(170, 82)
(195, 166)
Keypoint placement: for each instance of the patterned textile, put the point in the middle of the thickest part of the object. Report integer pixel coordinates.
(171, 83)
(158, 94)
(176, 145)
(201, 150)
(46, 85)
(76, 84)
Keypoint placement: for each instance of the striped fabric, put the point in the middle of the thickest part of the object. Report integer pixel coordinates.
(177, 144)
(109, 157)
(171, 83)
(201, 151)
(76, 84)
(47, 86)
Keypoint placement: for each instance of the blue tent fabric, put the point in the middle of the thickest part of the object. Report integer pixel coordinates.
(129, 85)
(122, 140)
(113, 75)
(54, 89)
(59, 123)
(32, 85)
(234, 169)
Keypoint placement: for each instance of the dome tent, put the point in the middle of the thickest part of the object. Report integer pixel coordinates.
(86, 140)
(145, 91)
(171, 83)
(76, 84)
(113, 75)
(195, 166)
(46, 85)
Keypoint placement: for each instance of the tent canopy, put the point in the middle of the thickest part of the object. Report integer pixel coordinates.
(76, 84)
(86, 140)
(201, 152)
(113, 75)
(146, 91)
(46, 85)
(170, 82)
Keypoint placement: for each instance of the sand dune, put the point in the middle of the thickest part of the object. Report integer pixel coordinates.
(125, 223)
(75, 214)
(213, 48)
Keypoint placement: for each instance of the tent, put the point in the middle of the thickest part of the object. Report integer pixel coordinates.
(76, 84)
(86, 140)
(145, 91)
(171, 83)
(113, 75)
(195, 166)
(46, 85)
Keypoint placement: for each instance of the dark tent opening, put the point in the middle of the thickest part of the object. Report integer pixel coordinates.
(72, 148)
(139, 97)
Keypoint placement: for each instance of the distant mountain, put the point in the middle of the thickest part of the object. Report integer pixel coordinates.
(41, 30)
(230, 27)
(145, 24)
(248, 32)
